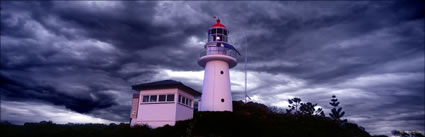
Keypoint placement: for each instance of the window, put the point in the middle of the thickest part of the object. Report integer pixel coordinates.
(218, 34)
(170, 97)
(183, 99)
(153, 98)
(180, 98)
(145, 98)
(161, 98)
(165, 98)
(220, 31)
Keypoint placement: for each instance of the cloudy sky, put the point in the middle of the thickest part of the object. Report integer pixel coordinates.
(75, 61)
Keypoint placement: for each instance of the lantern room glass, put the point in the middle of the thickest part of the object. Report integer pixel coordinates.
(217, 34)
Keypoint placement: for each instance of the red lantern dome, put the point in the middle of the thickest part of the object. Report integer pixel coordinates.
(218, 25)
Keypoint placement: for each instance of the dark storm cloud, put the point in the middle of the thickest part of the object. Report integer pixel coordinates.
(67, 53)
(44, 91)
(313, 44)
(86, 55)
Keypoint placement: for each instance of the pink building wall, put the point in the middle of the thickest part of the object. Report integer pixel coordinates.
(159, 114)
(184, 112)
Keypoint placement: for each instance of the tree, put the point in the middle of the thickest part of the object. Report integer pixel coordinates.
(296, 107)
(336, 111)
(277, 110)
(308, 109)
(407, 133)
(293, 105)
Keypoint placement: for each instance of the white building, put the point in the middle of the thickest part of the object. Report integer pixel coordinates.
(161, 103)
(217, 58)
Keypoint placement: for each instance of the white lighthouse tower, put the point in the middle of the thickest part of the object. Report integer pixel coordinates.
(217, 58)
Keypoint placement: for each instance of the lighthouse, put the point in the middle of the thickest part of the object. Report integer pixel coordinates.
(219, 56)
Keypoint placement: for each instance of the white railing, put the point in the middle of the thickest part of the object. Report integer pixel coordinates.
(219, 51)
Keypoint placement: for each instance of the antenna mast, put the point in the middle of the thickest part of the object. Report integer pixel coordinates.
(246, 60)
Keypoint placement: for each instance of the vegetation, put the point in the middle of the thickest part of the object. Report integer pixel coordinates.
(407, 133)
(248, 119)
(298, 108)
(254, 119)
(336, 111)
(293, 105)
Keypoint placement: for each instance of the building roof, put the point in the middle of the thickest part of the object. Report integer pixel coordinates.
(218, 25)
(165, 84)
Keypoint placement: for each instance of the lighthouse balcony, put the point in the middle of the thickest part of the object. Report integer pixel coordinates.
(218, 53)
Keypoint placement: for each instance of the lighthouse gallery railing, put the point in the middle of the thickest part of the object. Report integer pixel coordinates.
(219, 51)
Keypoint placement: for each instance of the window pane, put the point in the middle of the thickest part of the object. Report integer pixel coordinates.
(225, 32)
(170, 97)
(180, 98)
(220, 31)
(213, 31)
(145, 98)
(187, 101)
(183, 99)
(153, 98)
(161, 98)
